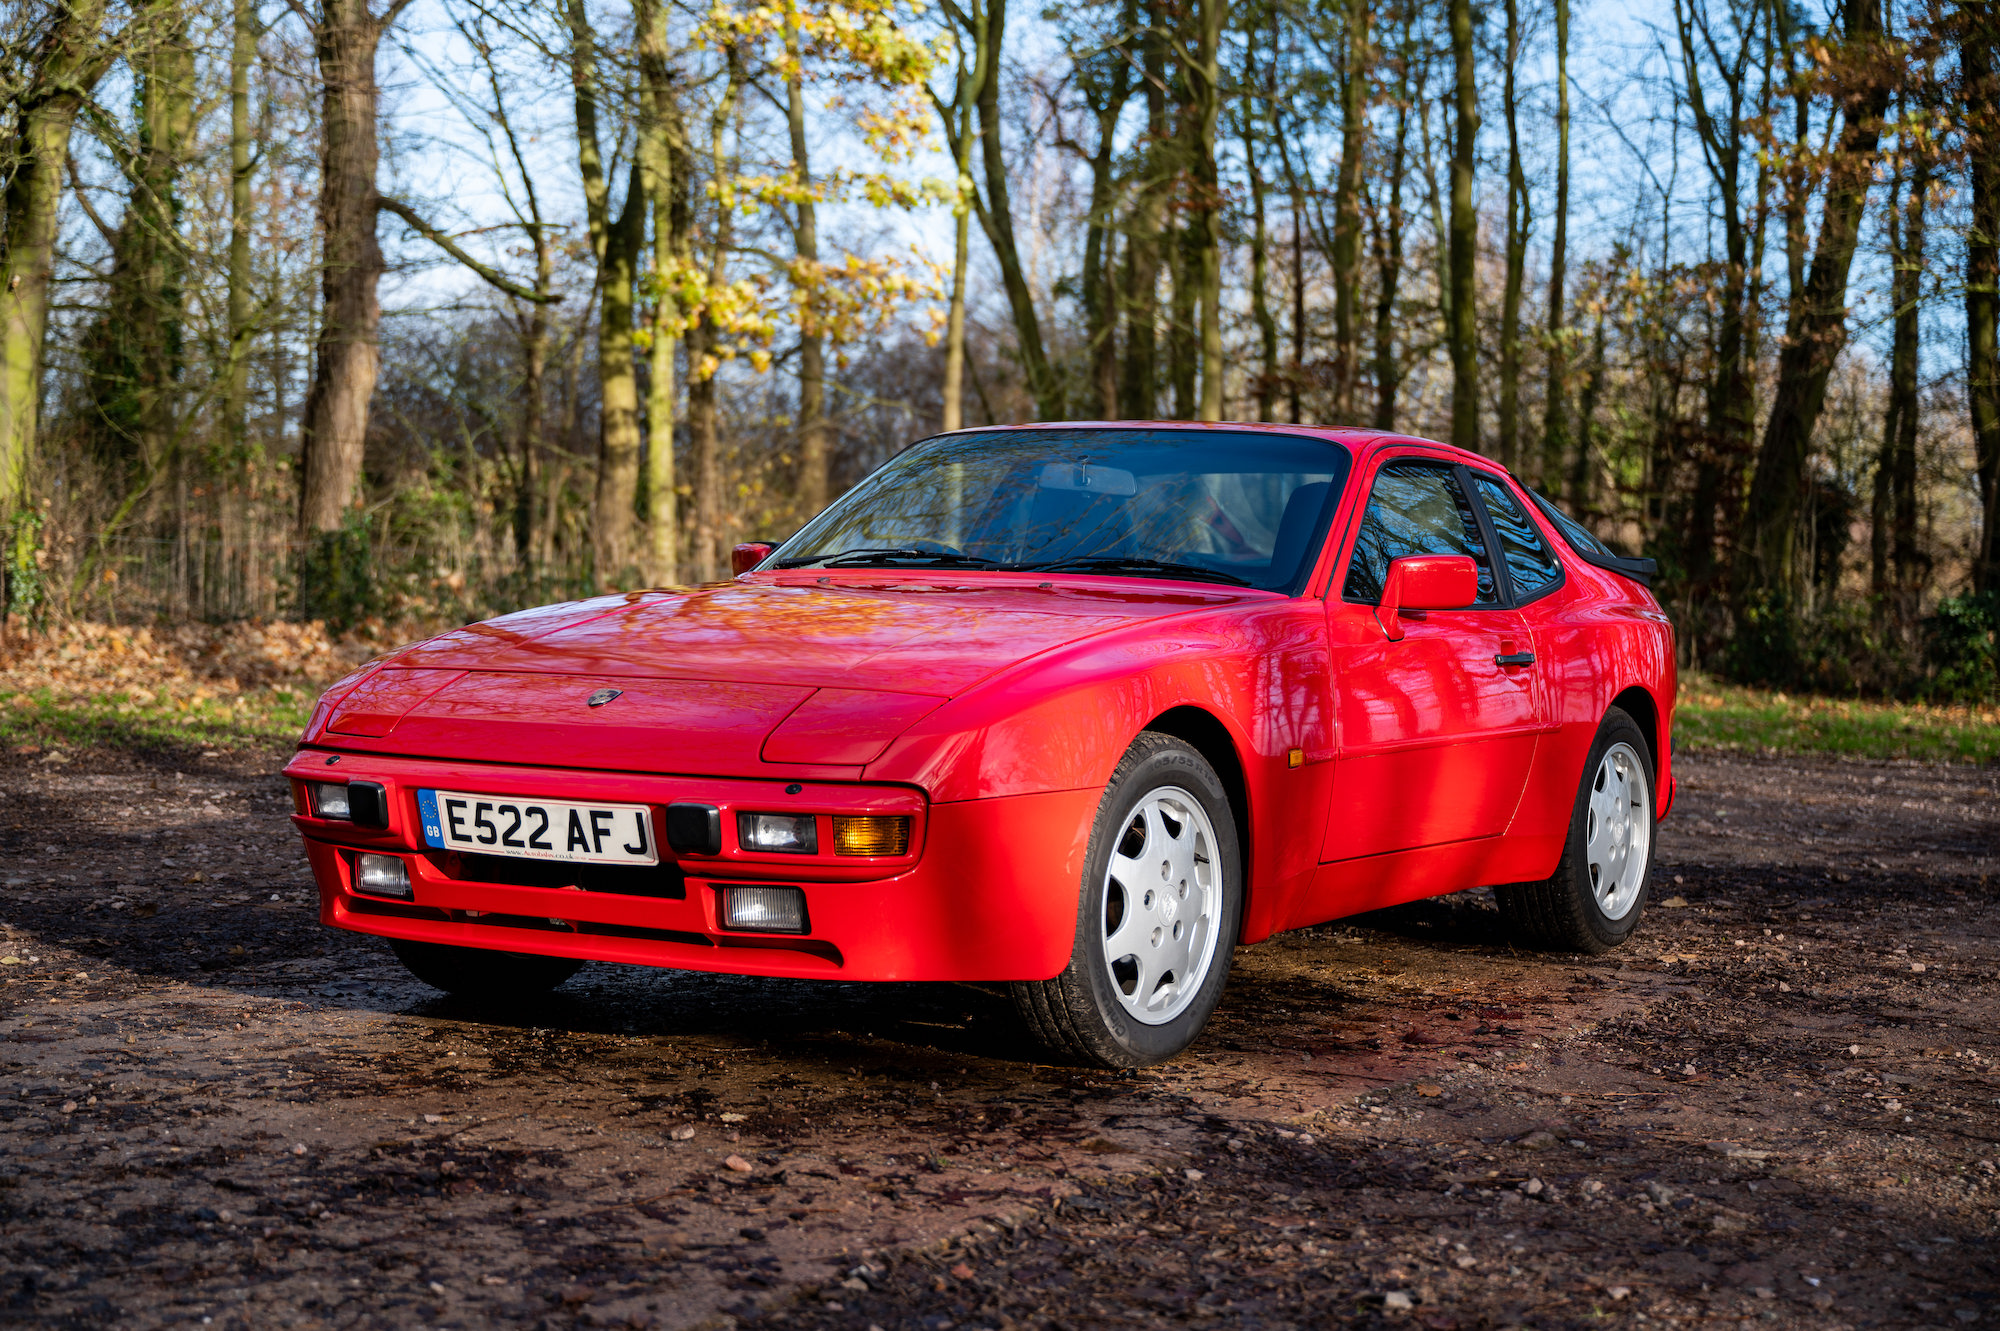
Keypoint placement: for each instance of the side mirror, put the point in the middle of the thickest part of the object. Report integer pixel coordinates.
(752, 553)
(1425, 582)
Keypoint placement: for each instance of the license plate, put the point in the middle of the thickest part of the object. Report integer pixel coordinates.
(536, 829)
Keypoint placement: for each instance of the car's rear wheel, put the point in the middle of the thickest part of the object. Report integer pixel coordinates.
(482, 974)
(1593, 901)
(1158, 916)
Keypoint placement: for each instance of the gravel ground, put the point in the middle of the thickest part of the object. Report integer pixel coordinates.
(1777, 1107)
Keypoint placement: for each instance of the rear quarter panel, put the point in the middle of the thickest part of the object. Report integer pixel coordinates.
(1598, 637)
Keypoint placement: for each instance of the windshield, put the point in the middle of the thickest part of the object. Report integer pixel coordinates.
(1217, 506)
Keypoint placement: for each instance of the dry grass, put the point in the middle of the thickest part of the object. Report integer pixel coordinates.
(196, 686)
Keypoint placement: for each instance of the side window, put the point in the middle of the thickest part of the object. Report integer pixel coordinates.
(1531, 566)
(1417, 508)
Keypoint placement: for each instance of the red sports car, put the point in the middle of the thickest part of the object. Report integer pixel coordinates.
(1076, 707)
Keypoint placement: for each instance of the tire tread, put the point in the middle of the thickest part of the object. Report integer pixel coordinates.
(1549, 914)
(1059, 1012)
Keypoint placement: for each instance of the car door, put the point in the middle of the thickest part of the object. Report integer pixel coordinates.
(1436, 731)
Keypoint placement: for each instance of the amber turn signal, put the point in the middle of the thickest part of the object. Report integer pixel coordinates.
(871, 834)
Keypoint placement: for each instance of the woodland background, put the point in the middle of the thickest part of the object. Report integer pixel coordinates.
(394, 314)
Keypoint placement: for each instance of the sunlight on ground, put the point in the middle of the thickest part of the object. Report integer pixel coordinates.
(1714, 714)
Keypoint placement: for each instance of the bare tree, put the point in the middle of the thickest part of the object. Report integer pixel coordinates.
(71, 57)
(1767, 560)
(1461, 321)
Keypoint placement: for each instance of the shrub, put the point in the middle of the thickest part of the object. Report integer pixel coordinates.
(1962, 657)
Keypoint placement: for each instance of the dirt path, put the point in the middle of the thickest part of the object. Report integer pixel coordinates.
(1778, 1107)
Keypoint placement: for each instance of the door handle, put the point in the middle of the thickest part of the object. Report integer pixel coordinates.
(1514, 659)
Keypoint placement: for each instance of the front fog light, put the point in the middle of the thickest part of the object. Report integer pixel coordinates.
(382, 875)
(330, 801)
(764, 910)
(778, 833)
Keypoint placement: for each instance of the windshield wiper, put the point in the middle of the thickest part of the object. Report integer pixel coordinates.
(1133, 564)
(891, 555)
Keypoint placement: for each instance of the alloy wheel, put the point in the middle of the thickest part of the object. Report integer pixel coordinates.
(1162, 895)
(1618, 841)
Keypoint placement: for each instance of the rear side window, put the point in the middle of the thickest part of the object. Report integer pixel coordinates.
(1417, 508)
(1532, 567)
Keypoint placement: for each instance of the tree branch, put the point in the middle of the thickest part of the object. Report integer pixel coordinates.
(451, 247)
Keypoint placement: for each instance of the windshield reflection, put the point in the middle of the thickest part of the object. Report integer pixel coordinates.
(1221, 506)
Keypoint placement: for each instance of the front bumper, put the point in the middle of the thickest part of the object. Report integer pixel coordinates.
(987, 892)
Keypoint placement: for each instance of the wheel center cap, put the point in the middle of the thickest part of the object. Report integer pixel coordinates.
(1168, 906)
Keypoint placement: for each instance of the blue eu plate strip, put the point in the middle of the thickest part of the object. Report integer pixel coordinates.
(427, 806)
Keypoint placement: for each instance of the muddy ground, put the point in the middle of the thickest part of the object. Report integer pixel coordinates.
(1777, 1107)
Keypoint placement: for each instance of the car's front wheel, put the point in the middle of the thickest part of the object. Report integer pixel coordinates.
(1158, 916)
(1592, 902)
(482, 974)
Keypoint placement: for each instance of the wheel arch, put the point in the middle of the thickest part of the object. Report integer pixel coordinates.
(1210, 738)
(1638, 704)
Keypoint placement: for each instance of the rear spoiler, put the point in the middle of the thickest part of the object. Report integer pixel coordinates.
(1591, 550)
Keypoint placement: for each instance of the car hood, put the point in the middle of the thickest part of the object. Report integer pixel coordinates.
(735, 679)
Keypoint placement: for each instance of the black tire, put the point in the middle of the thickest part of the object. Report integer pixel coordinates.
(481, 974)
(1561, 913)
(1079, 1014)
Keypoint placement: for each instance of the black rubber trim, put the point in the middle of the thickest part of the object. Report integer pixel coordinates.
(1495, 553)
(1641, 571)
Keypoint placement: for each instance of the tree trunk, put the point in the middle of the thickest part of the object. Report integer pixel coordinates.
(1295, 380)
(805, 248)
(1138, 380)
(1346, 249)
(1518, 223)
(1183, 350)
(1894, 576)
(1100, 305)
(1260, 246)
(954, 333)
(68, 63)
(615, 509)
(348, 355)
(957, 118)
(1979, 55)
(1766, 562)
(135, 355)
(660, 145)
(709, 520)
(242, 56)
(615, 244)
(1583, 472)
(1462, 333)
(1386, 232)
(1139, 385)
(1205, 80)
(1731, 392)
(1555, 404)
(996, 216)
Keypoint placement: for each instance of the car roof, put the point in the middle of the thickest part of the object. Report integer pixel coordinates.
(1364, 442)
